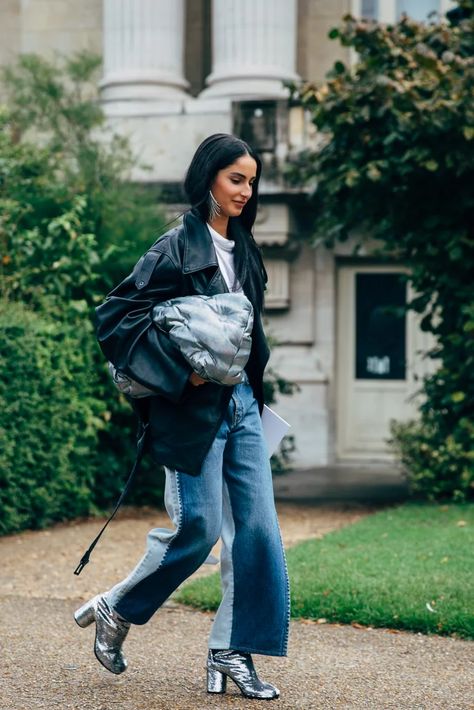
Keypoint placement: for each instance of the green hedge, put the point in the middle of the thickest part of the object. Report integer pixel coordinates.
(437, 466)
(116, 453)
(49, 420)
(66, 437)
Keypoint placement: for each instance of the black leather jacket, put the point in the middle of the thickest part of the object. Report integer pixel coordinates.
(183, 419)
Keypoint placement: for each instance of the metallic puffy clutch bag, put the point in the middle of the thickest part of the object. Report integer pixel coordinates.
(213, 334)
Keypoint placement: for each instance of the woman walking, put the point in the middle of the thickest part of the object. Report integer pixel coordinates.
(207, 435)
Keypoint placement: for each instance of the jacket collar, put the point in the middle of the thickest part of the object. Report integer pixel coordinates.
(199, 252)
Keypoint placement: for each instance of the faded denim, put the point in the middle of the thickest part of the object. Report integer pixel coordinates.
(231, 498)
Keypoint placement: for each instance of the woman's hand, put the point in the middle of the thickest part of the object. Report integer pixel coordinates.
(196, 380)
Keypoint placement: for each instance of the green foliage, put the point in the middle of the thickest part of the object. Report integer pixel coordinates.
(49, 419)
(43, 235)
(396, 162)
(117, 452)
(63, 202)
(56, 103)
(405, 568)
(442, 471)
(66, 437)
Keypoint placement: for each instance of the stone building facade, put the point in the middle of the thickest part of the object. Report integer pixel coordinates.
(175, 71)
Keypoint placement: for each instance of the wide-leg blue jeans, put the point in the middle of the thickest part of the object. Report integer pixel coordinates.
(232, 498)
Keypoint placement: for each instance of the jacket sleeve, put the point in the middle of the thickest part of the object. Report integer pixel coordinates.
(127, 335)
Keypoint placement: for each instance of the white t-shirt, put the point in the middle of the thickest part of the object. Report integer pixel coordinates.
(225, 256)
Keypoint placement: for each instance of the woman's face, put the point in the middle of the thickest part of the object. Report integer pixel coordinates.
(232, 186)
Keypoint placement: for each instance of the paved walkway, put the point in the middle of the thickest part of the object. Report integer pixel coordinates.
(47, 661)
(368, 483)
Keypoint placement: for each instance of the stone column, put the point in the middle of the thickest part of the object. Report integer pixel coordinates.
(143, 52)
(253, 48)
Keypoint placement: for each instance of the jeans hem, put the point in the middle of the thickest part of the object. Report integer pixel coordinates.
(251, 649)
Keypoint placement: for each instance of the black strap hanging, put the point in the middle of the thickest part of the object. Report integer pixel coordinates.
(140, 451)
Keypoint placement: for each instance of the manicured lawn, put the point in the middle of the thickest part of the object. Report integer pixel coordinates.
(410, 567)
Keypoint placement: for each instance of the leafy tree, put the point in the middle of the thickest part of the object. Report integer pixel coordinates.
(49, 253)
(395, 161)
(56, 104)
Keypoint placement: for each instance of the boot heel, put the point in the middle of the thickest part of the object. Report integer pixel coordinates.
(85, 614)
(216, 681)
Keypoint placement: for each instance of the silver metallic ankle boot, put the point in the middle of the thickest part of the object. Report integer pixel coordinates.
(239, 667)
(110, 632)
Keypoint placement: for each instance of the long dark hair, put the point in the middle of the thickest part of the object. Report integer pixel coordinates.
(215, 153)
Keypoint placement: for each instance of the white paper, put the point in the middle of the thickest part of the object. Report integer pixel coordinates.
(274, 429)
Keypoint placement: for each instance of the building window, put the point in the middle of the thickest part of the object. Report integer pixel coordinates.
(277, 295)
(380, 326)
(256, 123)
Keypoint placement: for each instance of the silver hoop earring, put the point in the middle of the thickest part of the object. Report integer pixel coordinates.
(214, 207)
